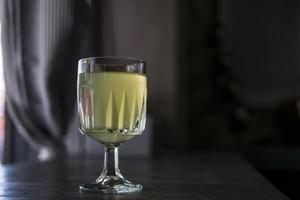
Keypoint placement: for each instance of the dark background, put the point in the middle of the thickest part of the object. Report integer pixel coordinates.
(222, 75)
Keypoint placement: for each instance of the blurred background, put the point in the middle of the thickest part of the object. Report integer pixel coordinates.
(222, 76)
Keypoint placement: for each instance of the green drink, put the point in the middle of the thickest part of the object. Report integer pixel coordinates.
(111, 98)
(112, 105)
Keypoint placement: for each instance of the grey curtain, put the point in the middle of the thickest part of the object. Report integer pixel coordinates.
(42, 41)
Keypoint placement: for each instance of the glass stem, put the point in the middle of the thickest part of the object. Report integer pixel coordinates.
(111, 163)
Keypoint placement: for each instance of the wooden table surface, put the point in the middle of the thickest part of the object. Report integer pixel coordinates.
(207, 176)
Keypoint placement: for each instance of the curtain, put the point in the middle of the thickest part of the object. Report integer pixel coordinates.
(42, 42)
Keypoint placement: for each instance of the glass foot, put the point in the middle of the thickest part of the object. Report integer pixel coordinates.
(111, 184)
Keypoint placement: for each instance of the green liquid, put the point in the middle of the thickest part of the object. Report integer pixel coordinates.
(112, 105)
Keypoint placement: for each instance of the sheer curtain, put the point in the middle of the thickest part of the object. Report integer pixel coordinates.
(42, 41)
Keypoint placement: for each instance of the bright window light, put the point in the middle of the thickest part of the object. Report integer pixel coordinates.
(2, 98)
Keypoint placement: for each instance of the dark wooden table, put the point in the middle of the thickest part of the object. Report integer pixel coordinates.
(207, 176)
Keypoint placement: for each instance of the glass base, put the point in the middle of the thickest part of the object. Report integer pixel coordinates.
(111, 185)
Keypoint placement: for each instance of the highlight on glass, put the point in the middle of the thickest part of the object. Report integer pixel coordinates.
(112, 98)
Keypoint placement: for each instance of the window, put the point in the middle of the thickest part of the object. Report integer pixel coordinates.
(2, 98)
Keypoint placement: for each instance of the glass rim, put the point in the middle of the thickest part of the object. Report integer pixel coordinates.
(111, 63)
(132, 59)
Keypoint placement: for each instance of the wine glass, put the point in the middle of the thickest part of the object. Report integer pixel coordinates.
(111, 97)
